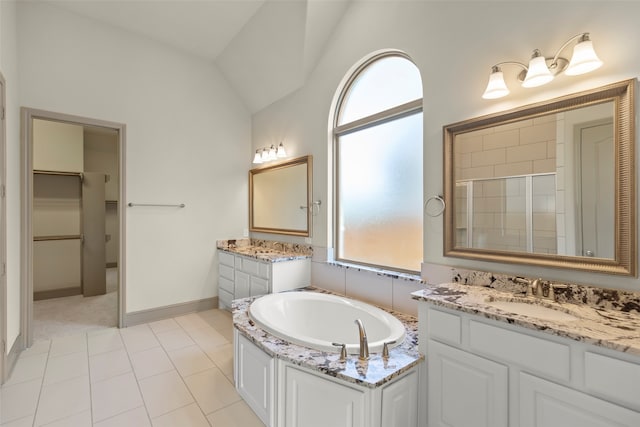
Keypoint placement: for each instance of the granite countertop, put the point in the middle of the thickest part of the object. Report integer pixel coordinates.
(371, 373)
(606, 327)
(265, 250)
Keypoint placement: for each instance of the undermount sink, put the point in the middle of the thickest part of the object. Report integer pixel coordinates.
(533, 309)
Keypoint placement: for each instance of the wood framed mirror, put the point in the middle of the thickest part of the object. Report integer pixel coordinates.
(280, 197)
(549, 184)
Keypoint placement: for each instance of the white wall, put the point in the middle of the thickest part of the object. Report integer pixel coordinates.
(187, 141)
(454, 45)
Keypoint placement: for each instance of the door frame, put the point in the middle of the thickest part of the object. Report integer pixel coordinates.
(3, 231)
(27, 116)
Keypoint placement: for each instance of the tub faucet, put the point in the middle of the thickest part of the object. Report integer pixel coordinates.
(364, 345)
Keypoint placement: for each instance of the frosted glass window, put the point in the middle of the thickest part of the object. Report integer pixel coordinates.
(379, 174)
(385, 83)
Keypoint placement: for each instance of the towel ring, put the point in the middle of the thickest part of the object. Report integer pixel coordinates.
(436, 212)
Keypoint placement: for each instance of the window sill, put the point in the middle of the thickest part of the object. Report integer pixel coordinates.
(379, 271)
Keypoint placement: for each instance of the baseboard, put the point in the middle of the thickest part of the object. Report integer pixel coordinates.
(12, 357)
(57, 293)
(169, 311)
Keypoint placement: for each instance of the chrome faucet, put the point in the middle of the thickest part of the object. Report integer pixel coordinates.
(364, 344)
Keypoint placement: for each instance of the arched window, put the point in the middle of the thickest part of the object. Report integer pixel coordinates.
(378, 165)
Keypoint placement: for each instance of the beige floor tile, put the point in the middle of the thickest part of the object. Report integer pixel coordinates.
(66, 367)
(104, 340)
(83, 419)
(38, 347)
(212, 390)
(63, 399)
(68, 344)
(238, 414)
(139, 338)
(28, 368)
(19, 400)
(22, 422)
(190, 360)
(164, 325)
(151, 362)
(115, 396)
(221, 320)
(208, 338)
(133, 418)
(164, 393)
(223, 358)
(187, 416)
(175, 339)
(107, 365)
(191, 322)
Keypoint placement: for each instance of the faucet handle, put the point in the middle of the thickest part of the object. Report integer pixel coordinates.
(343, 350)
(385, 349)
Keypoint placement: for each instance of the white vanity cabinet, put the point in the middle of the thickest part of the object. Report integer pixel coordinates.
(483, 372)
(254, 370)
(241, 276)
(283, 394)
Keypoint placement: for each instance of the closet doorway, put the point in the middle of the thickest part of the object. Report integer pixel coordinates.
(74, 224)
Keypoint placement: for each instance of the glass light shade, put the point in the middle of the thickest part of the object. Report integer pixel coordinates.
(584, 59)
(258, 158)
(281, 151)
(538, 72)
(272, 153)
(496, 88)
(264, 156)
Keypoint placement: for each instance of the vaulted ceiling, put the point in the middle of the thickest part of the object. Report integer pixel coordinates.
(265, 48)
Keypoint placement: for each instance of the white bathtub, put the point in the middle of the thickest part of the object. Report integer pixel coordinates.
(316, 320)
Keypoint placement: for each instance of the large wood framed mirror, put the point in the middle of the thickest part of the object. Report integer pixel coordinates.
(280, 197)
(549, 184)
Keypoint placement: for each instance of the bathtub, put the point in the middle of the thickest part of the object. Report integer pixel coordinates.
(316, 320)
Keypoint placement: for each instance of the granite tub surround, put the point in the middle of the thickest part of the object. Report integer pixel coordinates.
(379, 271)
(265, 250)
(604, 318)
(371, 373)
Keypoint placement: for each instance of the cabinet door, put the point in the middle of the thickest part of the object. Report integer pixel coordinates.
(241, 285)
(400, 402)
(259, 286)
(546, 404)
(313, 401)
(465, 390)
(254, 378)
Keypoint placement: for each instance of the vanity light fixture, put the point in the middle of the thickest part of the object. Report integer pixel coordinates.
(542, 70)
(268, 154)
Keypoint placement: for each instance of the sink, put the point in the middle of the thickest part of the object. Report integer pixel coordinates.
(533, 309)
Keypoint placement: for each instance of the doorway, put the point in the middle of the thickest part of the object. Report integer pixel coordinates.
(73, 185)
(596, 202)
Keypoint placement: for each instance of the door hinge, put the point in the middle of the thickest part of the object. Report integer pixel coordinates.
(3, 113)
(4, 268)
(4, 347)
(3, 191)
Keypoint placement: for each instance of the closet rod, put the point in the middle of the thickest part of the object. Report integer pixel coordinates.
(43, 172)
(131, 205)
(64, 237)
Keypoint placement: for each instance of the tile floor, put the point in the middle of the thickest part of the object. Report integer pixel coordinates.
(170, 373)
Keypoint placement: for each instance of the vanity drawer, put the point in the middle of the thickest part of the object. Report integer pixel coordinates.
(225, 284)
(613, 379)
(533, 354)
(226, 259)
(224, 298)
(250, 266)
(444, 326)
(226, 272)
